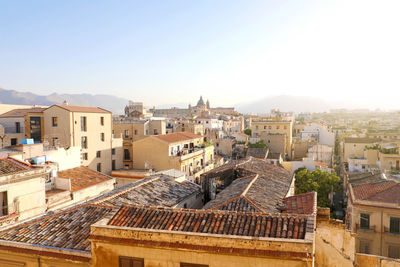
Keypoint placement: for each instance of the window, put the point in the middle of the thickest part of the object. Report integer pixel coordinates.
(17, 127)
(130, 262)
(265, 127)
(364, 247)
(395, 225)
(102, 137)
(54, 121)
(4, 204)
(14, 141)
(364, 221)
(135, 132)
(394, 251)
(127, 155)
(192, 265)
(101, 121)
(98, 154)
(36, 128)
(277, 127)
(84, 156)
(113, 151)
(99, 167)
(155, 131)
(84, 142)
(126, 133)
(113, 165)
(55, 141)
(83, 124)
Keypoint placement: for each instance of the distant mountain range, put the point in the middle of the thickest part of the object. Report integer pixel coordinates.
(117, 104)
(112, 103)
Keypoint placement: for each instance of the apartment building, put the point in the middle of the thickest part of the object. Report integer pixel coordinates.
(182, 151)
(264, 127)
(133, 130)
(19, 124)
(210, 123)
(373, 214)
(354, 146)
(22, 191)
(87, 127)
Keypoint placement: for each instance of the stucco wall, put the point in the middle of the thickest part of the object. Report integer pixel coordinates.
(335, 246)
(106, 253)
(376, 261)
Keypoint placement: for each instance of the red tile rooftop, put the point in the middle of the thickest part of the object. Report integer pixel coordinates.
(82, 109)
(21, 112)
(11, 166)
(177, 137)
(301, 204)
(385, 192)
(82, 177)
(228, 223)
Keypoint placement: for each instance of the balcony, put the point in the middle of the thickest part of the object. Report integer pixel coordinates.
(188, 153)
(13, 130)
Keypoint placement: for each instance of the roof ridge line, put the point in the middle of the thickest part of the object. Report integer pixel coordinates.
(126, 190)
(249, 185)
(254, 204)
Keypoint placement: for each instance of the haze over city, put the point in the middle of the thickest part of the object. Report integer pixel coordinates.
(232, 52)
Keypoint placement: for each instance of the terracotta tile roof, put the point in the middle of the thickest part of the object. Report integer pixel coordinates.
(301, 204)
(257, 152)
(177, 137)
(154, 191)
(11, 166)
(386, 192)
(82, 177)
(212, 222)
(264, 192)
(21, 112)
(68, 229)
(82, 109)
(361, 140)
(365, 177)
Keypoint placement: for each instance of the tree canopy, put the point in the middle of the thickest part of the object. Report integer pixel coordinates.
(247, 131)
(259, 144)
(321, 182)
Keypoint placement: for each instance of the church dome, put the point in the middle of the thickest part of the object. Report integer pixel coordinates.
(200, 102)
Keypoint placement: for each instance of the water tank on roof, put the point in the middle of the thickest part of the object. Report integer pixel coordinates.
(26, 142)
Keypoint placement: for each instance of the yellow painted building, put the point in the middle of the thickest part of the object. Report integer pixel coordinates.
(121, 241)
(267, 127)
(182, 151)
(373, 214)
(87, 127)
(133, 130)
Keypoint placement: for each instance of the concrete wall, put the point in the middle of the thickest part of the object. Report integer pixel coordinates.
(66, 158)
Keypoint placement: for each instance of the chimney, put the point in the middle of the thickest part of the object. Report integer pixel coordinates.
(65, 103)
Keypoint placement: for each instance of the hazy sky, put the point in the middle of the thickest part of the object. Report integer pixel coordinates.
(228, 51)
